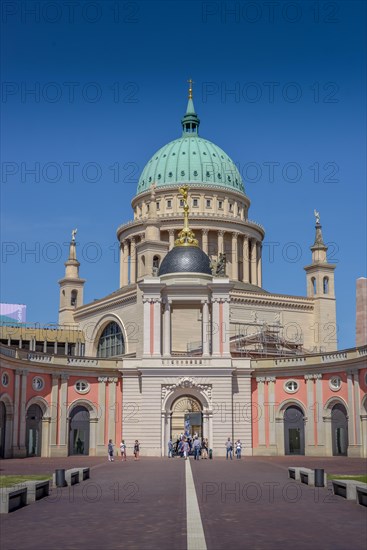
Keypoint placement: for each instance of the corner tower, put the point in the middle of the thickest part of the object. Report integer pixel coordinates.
(320, 287)
(71, 286)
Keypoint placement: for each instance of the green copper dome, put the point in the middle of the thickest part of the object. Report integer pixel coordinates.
(192, 160)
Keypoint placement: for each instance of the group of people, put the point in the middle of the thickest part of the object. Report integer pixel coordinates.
(111, 450)
(229, 448)
(186, 445)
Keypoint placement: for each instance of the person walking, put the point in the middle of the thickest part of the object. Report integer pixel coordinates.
(170, 449)
(186, 449)
(229, 446)
(238, 448)
(123, 450)
(197, 447)
(204, 449)
(136, 449)
(110, 451)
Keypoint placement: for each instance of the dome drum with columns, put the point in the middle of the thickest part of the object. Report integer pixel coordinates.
(218, 209)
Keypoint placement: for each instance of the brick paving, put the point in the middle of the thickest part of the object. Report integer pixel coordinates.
(141, 505)
(251, 503)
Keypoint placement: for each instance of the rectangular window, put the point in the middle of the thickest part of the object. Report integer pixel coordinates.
(181, 203)
(230, 207)
(158, 205)
(169, 203)
(195, 203)
(208, 203)
(220, 205)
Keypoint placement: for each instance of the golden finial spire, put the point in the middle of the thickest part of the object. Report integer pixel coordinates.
(191, 82)
(186, 237)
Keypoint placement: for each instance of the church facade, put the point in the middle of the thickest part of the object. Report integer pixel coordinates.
(190, 337)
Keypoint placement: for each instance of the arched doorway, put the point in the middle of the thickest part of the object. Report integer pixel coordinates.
(294, 431)
(2, 429)
(34, 430)
(79, 431)
(186, 417)
(339, 427)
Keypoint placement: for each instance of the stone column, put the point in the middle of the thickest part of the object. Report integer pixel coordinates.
(205, 328)
(23, 412)
(121, 265)
(357, 408)
(220, 242)
(54, 405)
(111, 410)
(64, 421)
(259, 264)
(157, 327)
(132, 261)
(318, 411)
(16, 411)
(93, 424)
(351, 417)
(310, 432)
(235, 256)
(253, 262)
(163, 433)
(216, 328)
(146, 326)
(125, 263)
(225, 327)
(167, 329)
(205, 240)
(271, 415)
(45, 446)
(261, 409)
(246, 260)
(171, 233)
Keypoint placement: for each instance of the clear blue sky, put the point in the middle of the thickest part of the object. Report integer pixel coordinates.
(109, 81)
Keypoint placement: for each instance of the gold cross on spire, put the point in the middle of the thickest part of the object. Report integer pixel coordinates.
(191, 82)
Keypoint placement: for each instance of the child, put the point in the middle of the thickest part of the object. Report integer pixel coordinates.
(110, 451)
(123, 450)
(136, 449)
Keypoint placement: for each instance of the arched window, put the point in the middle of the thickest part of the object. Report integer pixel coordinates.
(111, 342)
(313, 285)
(326, 285)
(73, 298)
(156, 262)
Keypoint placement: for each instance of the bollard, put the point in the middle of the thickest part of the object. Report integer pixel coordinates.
(210, 453)
(319, 477)
(60, 478)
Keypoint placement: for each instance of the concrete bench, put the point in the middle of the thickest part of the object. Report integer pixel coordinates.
(72, 476)
(293, 473)
(36, 489)
(347, 488)
(362, 494)
(307, 476)
(12, 498)
(84, 473)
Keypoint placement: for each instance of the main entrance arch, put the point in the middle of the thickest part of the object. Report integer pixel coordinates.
(186, 417)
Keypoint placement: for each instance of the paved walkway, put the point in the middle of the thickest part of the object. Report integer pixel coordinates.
(142, 505)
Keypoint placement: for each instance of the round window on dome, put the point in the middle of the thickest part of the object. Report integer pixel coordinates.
(291, 386)
(159, 176)
(335, 383)
(195, 173)
(170, 174)
(82, 386)
(182, 173)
